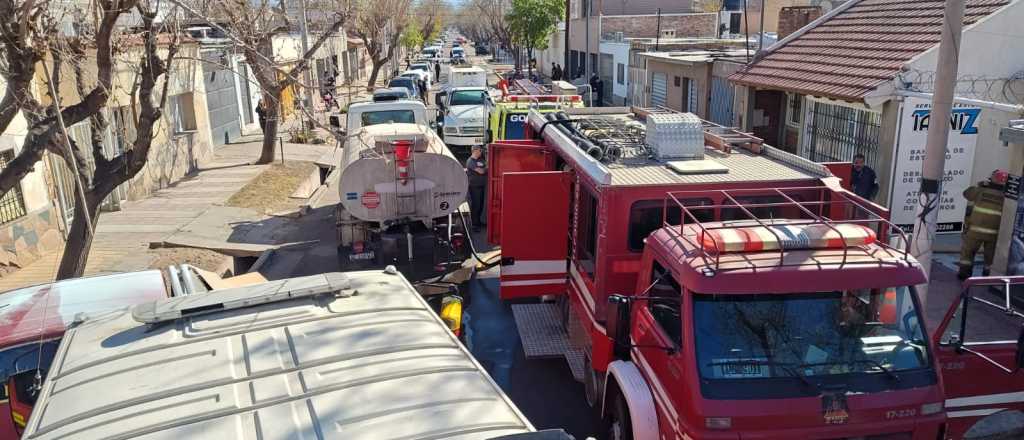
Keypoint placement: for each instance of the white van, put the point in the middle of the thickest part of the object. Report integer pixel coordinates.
(353, 356)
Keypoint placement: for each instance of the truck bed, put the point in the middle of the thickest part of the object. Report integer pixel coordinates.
(368, 360)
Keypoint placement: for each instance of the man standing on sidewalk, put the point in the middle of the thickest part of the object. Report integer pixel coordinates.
(476, 169)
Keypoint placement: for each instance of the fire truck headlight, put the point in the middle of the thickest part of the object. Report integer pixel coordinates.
(931, 408)
(718, 422)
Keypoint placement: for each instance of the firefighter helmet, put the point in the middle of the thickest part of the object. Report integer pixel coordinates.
(1000, 177)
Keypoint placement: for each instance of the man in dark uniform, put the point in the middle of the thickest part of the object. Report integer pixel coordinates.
(981, 228)
(476, 169)
(437, 72)
(863, 180)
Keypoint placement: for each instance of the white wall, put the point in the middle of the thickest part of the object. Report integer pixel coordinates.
(620, 55)
(555, 53)
(33, 186)
(990, 49)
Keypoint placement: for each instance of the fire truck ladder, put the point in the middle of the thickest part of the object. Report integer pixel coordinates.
(405, 202)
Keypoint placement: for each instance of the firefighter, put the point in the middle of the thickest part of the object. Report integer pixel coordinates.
(985, 202)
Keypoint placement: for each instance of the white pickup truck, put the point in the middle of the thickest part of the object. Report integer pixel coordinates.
(465, 105)
(353, 356)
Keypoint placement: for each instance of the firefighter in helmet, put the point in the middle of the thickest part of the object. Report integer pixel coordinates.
(984, 212)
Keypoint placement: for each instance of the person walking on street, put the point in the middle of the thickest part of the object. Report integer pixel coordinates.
(476, 169)
(863, 180)
(595, 88)
(984, 214)
(261, 113)
(437, 72)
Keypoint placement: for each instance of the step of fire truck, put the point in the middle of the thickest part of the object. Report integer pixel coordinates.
(544, 336)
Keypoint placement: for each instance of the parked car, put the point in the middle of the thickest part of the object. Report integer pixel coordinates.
(418, 75)
(408, 84)
(482, 50)
(426, 68)
(390, 94)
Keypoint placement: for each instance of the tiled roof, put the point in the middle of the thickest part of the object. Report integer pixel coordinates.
(855, 51)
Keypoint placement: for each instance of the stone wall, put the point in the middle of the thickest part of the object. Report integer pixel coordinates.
(792, 18)
(28, 238)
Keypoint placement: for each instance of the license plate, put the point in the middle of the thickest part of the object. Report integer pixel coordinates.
(478, 140)
(361, 256)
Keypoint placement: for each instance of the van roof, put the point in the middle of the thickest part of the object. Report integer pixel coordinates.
(45, 311)
(354, 355)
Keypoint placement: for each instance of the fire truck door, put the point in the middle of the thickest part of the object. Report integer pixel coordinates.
(508, 157)
(534, 231)
(657, 336)
(981, 354)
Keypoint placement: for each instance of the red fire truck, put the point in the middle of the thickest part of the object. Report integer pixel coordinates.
(720, 288)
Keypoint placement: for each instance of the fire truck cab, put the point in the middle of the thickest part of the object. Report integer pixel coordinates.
(718, 288)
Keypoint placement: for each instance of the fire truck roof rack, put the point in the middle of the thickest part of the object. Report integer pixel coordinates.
(698, 234)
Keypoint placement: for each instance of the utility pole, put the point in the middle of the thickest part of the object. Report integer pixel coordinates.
(657, 33)
(568, 18)
(586, 52)
(760, 44)
(934, 164)
(307, 75)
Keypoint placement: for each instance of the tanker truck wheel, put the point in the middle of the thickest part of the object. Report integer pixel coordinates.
(620, 426)
(593, 383)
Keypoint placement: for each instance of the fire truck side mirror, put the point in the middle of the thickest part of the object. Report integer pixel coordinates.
(18, 387)
(617, 322)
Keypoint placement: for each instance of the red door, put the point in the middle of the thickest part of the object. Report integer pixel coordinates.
(535, 232)
(978, 347)
(506, 157)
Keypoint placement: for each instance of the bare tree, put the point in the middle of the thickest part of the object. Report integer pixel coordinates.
(253, 25)
(380, 24)
(493, 14)
(90, 45)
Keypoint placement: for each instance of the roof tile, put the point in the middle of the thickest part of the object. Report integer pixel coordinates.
(857, 50)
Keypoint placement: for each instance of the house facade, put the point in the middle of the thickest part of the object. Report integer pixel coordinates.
(852, 83)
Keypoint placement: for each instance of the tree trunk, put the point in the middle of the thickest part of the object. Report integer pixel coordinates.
(76, 250)
(373, 75)
(274, 114)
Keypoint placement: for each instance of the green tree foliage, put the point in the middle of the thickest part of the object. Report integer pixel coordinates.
(412, 39)
(532, 21)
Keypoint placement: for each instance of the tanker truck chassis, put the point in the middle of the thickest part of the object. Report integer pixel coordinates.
(402, 193)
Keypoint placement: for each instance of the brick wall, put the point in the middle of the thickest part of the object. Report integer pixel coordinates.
(646, 26)
(792, 18)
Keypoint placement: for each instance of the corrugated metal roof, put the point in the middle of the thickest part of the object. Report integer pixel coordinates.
(373, 362)
(857, 50)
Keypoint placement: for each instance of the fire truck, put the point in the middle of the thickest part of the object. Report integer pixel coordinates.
(715, 287)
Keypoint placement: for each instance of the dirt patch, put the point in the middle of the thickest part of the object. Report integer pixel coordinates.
(269, 192)
(202, 258)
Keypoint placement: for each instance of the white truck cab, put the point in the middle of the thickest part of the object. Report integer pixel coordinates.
(362, 114)
(465, 104)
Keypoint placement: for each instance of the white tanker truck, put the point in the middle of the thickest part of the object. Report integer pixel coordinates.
(401, 191)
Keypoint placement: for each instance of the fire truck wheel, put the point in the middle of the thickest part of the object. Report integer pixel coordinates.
(592, 384)
(621, 427)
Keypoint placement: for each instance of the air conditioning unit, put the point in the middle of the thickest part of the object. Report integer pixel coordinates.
(668, 33)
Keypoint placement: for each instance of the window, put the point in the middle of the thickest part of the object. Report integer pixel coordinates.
(794, 108)
(25, 358)
(183, 115)
(677, 81)
(665, 303)
(388, 117)
(620, 74)
(645, 216)
(468, 97)
(986, 321)
(12, 205)
(586, 231)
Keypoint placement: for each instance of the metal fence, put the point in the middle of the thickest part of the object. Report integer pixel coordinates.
(838, 132)
(12, 205)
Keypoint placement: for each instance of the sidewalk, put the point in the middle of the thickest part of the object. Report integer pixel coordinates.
(122, 238)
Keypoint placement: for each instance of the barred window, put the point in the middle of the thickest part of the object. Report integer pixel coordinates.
(12, 205)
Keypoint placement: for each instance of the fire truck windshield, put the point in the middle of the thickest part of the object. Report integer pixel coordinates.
(865, 340)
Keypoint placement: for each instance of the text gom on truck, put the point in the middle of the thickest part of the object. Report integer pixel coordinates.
(720, 288)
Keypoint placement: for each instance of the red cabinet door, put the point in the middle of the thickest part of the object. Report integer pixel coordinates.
(510, 157)
(534, 231)
(977, 348)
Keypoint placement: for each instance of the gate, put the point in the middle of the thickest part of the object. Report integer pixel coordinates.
(722, 95)
(659, 90)
(221, 99)
(836, 133)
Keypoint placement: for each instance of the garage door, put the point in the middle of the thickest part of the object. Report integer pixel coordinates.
(659, 89)
(221, 99)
